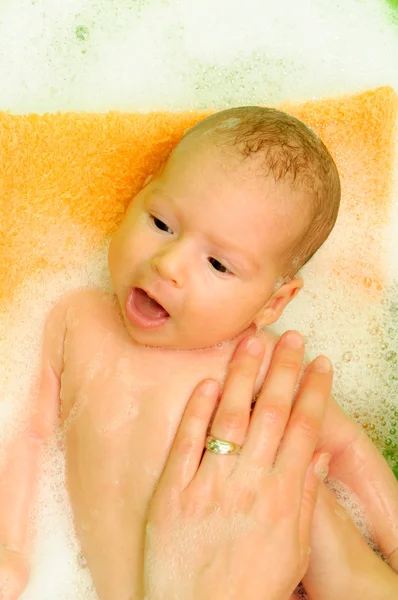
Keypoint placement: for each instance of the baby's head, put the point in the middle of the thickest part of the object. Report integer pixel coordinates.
(218, 234)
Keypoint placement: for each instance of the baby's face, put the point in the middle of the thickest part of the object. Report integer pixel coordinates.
(203, 240)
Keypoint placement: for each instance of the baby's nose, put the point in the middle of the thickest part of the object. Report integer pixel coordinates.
(169, 264)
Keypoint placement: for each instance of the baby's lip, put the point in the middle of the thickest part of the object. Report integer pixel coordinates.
(154, 297)
(139, 314)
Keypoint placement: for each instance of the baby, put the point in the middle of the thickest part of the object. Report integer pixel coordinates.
(207, 253)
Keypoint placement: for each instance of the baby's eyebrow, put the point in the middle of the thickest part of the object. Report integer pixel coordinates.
(159, 194)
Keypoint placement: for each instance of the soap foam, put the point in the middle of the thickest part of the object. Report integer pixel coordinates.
(56, 568)
(215, 54)
(171, 561)
(352, 505)
(56, 572)
(356, 326)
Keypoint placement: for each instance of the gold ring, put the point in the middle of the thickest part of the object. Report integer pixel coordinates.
(217, 446)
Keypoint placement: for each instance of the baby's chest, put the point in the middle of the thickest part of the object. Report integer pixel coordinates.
(128, 403)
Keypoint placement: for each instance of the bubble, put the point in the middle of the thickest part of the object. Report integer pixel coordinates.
(350, 502)
(347, 357)
(82, 33)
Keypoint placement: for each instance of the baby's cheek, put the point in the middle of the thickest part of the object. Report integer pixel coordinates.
(113, 257)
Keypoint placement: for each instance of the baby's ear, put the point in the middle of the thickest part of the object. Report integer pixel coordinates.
(278, 302)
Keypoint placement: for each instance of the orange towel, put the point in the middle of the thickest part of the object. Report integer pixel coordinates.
(68, 177)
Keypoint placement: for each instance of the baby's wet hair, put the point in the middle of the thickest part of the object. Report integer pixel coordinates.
(287, 150)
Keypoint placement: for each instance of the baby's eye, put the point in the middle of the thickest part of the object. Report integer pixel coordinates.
(161, 225)
(217, 266)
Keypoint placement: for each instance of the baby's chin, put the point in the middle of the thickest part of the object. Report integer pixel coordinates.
(168, 339)
(173, 335)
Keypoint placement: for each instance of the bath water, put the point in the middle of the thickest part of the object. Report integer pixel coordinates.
(183, 54)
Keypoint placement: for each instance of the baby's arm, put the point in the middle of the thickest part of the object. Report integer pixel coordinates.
(341, 563)
(358, 463)
(19, 465)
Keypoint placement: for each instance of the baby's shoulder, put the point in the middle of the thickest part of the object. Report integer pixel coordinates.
(82, 322)
(83, 301)
(80, 308)
(65, 315)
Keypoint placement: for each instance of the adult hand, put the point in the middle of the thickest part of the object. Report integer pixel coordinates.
(226, 527)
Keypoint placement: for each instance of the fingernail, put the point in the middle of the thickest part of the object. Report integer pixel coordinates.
(209, 387)
(294, 340)
(322, 364)
(254, 346)
(321, 468)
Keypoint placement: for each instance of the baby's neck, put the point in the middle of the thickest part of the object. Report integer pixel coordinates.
(208, 351)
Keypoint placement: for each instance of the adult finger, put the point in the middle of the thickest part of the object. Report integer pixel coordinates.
(233, 413)
(187, 449)
(274, 403)
(305, 422)
(316, 473)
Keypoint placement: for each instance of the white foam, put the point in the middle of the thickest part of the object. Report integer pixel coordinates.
(56, 573)
(180, 54)
(352, 505)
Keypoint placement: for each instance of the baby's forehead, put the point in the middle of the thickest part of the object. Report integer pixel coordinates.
(201, 156)
(214, 164)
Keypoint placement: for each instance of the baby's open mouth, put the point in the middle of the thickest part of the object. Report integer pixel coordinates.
(144, 311)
